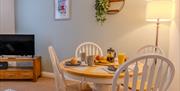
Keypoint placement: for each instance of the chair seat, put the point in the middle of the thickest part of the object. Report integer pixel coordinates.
(72, 85)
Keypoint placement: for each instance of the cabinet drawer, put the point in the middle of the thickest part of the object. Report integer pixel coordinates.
(26, 75)
(10, 75)
(16, 75)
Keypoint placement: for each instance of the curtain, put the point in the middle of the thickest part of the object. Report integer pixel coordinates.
(174, 45)
(7, 18)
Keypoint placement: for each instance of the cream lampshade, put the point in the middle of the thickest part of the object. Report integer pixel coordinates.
(158, 11)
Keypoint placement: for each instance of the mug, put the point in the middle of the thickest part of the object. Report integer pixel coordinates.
(83, 57)
(90, 60)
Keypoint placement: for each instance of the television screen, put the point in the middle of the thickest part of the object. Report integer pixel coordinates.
(17, 44)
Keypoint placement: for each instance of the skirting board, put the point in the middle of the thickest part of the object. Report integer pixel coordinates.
(48, 74)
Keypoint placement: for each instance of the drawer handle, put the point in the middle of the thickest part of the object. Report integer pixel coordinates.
(11, 75)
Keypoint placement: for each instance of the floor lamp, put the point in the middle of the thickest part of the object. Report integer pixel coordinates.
(158, 11)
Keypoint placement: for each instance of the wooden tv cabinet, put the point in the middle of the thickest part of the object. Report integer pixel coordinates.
(26, 72)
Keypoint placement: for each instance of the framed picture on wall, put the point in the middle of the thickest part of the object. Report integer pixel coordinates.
(62, 9)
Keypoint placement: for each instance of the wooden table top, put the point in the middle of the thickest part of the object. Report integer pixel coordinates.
(96, 71)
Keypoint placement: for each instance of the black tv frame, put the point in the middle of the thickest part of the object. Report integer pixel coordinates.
(12, 45)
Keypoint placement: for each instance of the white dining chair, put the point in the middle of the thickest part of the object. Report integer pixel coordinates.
(150, 49)
(149, 79)
(61, 83)
(90, 48)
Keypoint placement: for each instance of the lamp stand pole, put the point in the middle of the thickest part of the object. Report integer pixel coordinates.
(157, 32)
(157, 37)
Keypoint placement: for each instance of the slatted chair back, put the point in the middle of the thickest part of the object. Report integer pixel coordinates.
(59, 76)
(89, 48)
(150, 79)
(150, 49)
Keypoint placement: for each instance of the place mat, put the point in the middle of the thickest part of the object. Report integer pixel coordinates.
(102, 69)
(82, 68)
(108, 71)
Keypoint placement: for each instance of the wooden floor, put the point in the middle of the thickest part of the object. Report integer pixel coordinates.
(43, 84)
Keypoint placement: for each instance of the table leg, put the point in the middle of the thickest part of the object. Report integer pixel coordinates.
(102, 87)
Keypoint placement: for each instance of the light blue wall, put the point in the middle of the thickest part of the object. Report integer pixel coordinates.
(125, 31)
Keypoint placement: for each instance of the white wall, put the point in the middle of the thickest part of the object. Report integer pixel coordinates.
(126, 31)
(7, 18)
(174, 47)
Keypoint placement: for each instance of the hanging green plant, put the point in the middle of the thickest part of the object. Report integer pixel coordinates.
(101, 7)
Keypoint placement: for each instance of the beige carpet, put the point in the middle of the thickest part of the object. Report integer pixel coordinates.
(43, 84)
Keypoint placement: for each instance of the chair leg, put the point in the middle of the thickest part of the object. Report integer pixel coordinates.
(82, 84)
(93, 87)
(118, 87)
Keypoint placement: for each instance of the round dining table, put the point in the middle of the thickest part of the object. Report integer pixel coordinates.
(99, 75)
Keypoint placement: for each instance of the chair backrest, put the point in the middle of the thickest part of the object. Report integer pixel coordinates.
(156, 74)
(150, 49)
(89, 48)
(59, 76)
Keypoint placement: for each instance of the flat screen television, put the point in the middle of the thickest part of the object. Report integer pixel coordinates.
(17, 44)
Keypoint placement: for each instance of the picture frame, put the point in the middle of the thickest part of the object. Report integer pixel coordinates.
(62, 9)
